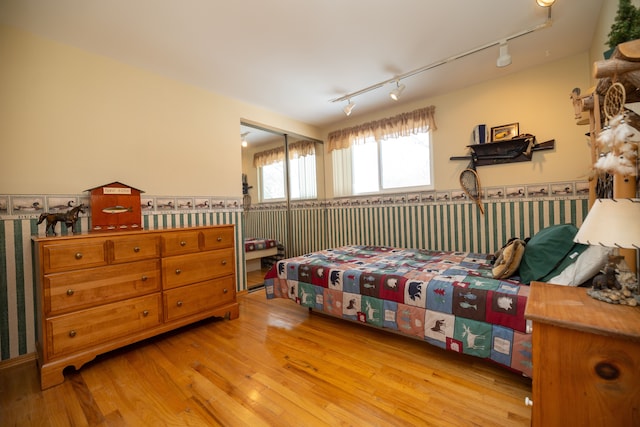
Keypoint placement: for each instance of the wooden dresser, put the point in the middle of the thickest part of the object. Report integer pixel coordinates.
(99, 292)
(586, 359)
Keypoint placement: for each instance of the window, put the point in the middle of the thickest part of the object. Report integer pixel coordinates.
(272, 181)
(385, 166)
(302, 173)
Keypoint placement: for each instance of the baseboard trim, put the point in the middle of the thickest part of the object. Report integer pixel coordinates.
(18, 361)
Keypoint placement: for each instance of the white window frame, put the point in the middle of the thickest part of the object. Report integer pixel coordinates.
(343, 173)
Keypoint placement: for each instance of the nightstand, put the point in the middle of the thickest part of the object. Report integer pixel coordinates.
(586, 359)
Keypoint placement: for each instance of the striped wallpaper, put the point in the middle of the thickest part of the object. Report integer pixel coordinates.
(441, 226)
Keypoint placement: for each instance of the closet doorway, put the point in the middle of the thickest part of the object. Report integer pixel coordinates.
(283, 177)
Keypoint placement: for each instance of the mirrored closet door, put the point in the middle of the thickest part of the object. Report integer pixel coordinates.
(283, 177)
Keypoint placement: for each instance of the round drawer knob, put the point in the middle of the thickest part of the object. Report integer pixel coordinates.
(136, 249)
(225, 290)
(183, 243)
(224, 262)
(607, 371)
(78, 255)
(179, 303)
(72, 333)
(219, 239)
(145, 313)
(178, 271)
(144, 278)
(70, 292)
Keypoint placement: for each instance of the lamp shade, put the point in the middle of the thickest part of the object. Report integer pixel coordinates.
(612, 223)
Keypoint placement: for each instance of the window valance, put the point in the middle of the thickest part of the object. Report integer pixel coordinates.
(405, 124)
(296, 149)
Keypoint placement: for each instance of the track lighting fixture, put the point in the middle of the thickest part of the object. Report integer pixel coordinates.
(244, 142)
(504, 59)
(348, 108)
(395, 94)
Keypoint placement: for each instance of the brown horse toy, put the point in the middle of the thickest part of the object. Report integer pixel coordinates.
(70, 218)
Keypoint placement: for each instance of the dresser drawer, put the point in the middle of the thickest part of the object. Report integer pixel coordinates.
(75, 255)
(72, 332)
(180, 242)
(185, 269)
(218, 238)
(126, 249)
(193, 299)
(78, 289)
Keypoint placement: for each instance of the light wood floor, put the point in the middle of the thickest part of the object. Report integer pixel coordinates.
(277, 365)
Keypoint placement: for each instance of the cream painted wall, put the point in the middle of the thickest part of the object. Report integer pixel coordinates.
(537, 98)
(71, 120)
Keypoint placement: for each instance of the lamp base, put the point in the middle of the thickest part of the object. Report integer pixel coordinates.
(628, 295)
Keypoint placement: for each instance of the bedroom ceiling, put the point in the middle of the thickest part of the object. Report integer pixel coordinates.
(293, 56)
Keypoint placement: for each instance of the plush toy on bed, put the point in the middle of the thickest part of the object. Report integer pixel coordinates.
(507, 259)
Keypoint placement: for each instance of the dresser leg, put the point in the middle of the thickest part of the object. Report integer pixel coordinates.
(50, 377)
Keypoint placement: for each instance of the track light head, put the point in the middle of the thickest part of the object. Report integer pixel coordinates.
(504, 59)
(348, 108)
(244, 142)
(395, 94)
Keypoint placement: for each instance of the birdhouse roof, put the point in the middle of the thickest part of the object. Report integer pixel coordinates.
(115, 182)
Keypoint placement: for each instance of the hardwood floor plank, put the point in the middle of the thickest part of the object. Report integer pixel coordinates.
(276, 365)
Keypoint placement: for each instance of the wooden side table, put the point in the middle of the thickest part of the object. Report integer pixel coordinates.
(586, 359)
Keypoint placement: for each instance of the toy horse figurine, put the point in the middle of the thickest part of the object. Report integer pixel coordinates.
(70, 218)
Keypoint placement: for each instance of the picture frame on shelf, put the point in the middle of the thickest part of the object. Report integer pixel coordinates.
(504, 132)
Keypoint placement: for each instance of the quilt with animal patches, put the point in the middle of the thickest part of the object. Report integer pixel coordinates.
(449, 299)
(256, 244)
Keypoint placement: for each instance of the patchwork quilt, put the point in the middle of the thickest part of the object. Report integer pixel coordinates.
(255, 244)
(448, 299)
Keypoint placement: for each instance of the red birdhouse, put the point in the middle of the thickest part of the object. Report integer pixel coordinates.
(115, 206)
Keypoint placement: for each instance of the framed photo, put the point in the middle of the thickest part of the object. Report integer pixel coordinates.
(503, 132)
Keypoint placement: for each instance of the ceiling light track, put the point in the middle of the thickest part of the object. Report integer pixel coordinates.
(396, 79)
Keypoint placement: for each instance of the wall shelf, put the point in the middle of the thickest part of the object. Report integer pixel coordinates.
(509, 151)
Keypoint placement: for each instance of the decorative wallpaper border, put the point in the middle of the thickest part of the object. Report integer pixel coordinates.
(522, 192)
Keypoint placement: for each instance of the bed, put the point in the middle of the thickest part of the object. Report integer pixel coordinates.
(257, 248)
(449, 299)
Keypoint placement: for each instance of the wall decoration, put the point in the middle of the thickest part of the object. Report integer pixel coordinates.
(61, 204)
(27, 204)
(183, 203)
(4, 205)
(413, 198)
(443, 196)
(202, 203)
(495, 192)
(458, 195)
(218, 204)
(538, 190)
(582, 187)
(500, 133)
(428, 197)
(115, 206)
(165, 204)
(562, 189)
(146, 203)
(515, 192)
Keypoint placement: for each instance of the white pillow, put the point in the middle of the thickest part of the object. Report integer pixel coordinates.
(588, 264)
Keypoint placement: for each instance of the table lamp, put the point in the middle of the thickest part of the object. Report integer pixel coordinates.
(614, 223)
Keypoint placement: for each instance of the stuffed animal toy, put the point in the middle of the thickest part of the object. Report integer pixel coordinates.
(508, 259)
